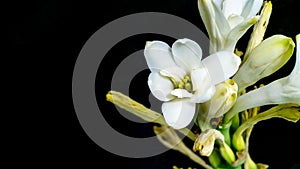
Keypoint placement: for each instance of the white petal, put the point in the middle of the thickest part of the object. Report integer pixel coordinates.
(219, 135)
(187, 53)
(218, 3)
(238, 31)
(202, 85)
(160, 87)
(178, 113)
(207, 14)
(234, 20)
(175, 72)
(251, 8)
(221, 20)
(221, 65)
(158, 56)
(296, 70)
(232, 7)
(181, 93)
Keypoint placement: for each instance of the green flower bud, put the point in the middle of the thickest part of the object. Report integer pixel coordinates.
(215, 159)
(238, 142)
(249, 163)
(227, 153)
(265, 59)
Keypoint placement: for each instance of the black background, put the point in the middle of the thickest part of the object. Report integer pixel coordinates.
(44, 40)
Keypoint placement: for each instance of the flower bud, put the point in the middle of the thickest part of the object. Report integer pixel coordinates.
(221, 102)
(249, 163)
(215, 159)
(206, 140)
(227, 153)
(281, 91)
(264, 60)
(238, 142)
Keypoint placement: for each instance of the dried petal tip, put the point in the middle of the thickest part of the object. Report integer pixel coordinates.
(206, 140)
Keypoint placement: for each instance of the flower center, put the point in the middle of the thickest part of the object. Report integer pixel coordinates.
(185, 83)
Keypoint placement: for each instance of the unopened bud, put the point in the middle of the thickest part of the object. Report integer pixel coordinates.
(227, 153)
(265, 59)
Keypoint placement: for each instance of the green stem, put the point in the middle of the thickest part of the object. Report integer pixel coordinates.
(225, 130)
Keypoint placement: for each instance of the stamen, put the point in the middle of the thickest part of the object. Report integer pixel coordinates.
(186, 79)
(188, 86)
(181, 85)
(173, 82)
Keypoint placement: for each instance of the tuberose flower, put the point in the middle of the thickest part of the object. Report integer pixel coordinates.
(180, 79)
(227, 20)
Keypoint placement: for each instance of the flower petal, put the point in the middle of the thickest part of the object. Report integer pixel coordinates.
(220, 19)
(181, 93)
(173, 72)
(221, 65)
(232, 7)
(218, 3)
(207, 14)
(160, 87)
(179, 113)
(234, 20)
(202, 85)
(251, 8)
(237, 32)
(187, 54)
(158, 56)
(296, 70)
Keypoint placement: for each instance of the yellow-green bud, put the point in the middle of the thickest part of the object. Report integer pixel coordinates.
(262, 166)
(249, 163)
(215, 159)
(265, 59)
(238, 142)
(227, 153)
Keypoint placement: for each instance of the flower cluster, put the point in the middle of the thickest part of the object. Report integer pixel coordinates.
(220, 94)
(214, 88)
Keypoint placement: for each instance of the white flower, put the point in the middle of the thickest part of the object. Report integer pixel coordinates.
(180, 79)
(281, 91)
(227, 20)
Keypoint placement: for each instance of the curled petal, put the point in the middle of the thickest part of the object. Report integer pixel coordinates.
(178, 113)
(206, 140)
(158, 56)
(187, 53)
(160, 87)
(221, 65)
